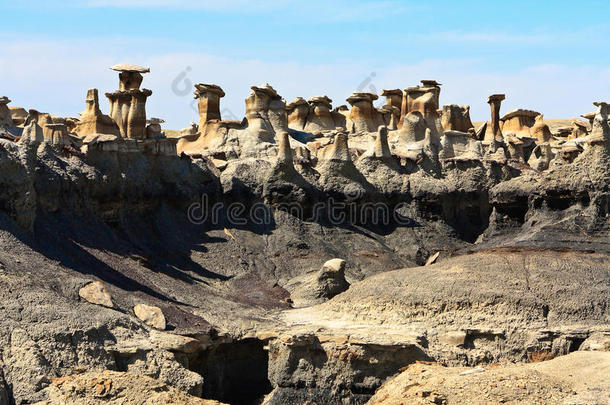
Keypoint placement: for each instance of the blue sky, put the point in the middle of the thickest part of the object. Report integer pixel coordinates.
(550, 56)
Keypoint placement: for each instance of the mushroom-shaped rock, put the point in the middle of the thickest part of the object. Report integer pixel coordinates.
(96, 293)
(57, 134)
(209, 96)
(364, 115)
(519, 122)
(589, 116)
(150, 315)
(495, 101)
(125, 67)
(320, 116)
(297, 111)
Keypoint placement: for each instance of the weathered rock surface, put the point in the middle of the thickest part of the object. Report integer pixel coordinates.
(150, 315)
(96, 293)
(548, 382)
(225, 238)
(113, 387)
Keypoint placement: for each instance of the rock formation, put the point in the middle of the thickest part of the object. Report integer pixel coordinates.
(456, 118)
(321, 286)
(223, 242)
(494, 101)
(92, 121)
(319, 117)
(363, 116)
(150, 315)
(128, 104)
(209, 96)
(393, 105)
(18, 115)
(579, 129)
(540, 130)
(297, 111)
(600, 131)
(5, 114)
(519, 122)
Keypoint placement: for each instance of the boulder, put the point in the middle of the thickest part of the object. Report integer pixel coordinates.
(314, 288)
(150, 315)
(96, 293)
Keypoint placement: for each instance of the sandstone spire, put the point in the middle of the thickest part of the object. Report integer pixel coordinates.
(92, 121)
(128, 104)
(495, 101)
(382, 149)
(209, 96)
(600, 132)
(284, 153)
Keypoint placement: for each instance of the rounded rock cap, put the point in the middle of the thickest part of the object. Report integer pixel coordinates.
(125, 67)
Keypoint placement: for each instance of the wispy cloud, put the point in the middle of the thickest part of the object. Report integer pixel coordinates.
(491, 37)
(338, 10)
(55, 79)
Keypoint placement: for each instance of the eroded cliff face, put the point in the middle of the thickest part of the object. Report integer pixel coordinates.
(537, 281)
(302, 255)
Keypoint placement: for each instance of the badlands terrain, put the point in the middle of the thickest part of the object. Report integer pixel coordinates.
(304, 255)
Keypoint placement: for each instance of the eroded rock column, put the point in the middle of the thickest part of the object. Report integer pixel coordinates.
(128, 104)
(5, 113)
(495, 101)
(209, 96)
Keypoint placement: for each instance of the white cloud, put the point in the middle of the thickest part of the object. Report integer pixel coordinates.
(54, 77)
(338, 10)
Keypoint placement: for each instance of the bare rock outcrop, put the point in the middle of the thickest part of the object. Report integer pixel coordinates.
(209, 96)
(541, 131)
(541, 382)
(363, 116)
(114, 388)
(319, 116)
(393, 105)
(456, 118)
(519, 122)
(6, 118)
(297, 111)
(494, 132)
(128, 104)
(92, 121)
(600, 131)
(319, 287)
